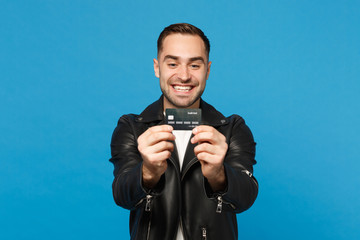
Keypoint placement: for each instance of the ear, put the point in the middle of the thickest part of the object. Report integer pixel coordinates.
(156, 68)
(208, 70)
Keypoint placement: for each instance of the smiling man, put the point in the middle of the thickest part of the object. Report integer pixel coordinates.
(183, 184)
(183, 69)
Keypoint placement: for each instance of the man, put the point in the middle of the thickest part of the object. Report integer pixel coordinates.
(188, 186)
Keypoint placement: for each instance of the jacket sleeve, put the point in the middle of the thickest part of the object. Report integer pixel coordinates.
(127, 185)
(242, 187)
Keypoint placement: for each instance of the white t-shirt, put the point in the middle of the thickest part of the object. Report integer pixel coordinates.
(181, 140)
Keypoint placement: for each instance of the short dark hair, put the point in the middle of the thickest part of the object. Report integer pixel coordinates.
(183, 28)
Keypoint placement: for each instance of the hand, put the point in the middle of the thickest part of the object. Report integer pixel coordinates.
(155, 148)
(211, 151)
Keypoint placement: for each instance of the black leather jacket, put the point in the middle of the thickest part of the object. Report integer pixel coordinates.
(184, 196)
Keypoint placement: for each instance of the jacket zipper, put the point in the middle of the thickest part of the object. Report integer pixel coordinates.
(148, 209)
(221, 202)
(250, 175)
(219, 205)
(148, 203)
(148, 230)
(203, 233)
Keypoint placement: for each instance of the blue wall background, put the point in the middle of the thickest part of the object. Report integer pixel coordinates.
(70, 69)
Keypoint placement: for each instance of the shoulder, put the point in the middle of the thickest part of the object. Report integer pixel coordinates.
(124, 124)
(236, 119)
(239, 129)
(127, 118)
(126, 121)
(234, 127)
(128, 126)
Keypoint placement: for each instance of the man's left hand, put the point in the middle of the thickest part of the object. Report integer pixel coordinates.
(211, 151)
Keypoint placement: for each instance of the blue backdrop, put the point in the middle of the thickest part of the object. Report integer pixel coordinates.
(70, 69)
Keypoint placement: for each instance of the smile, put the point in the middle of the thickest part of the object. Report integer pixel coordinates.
(182, 88)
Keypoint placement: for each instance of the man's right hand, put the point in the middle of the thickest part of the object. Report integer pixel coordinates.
(155, 148)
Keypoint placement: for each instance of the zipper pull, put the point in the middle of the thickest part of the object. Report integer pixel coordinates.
(203, 233)
(247, 172)
(219, 205)
(148, 203)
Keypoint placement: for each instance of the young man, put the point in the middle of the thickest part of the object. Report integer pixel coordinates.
(183, 184)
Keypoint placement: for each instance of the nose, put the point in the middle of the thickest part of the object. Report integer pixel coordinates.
(184, 73)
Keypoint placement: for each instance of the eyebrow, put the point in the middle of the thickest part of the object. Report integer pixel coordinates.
(171, 57)
(193, 59)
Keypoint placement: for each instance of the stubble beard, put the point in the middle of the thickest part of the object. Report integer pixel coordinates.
(179, 104)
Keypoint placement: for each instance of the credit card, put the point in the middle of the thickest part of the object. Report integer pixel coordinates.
(183, 119)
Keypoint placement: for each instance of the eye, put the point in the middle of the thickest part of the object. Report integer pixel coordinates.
(195, 66)
(172, 65)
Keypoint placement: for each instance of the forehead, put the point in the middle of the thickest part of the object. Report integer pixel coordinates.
(183, 45)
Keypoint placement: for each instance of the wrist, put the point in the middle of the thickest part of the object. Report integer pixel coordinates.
(148, 178)
(218, 182)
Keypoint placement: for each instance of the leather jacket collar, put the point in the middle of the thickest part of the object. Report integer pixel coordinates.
(210, 116)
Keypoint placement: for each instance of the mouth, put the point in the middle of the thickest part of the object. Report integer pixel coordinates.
(182, 88)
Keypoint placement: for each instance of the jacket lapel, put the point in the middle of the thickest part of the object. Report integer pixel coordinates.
(175, 157)
(189, 154)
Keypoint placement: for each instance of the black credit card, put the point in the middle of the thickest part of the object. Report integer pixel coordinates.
(183, 119)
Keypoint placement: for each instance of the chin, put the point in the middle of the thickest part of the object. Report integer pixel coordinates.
(182, 104)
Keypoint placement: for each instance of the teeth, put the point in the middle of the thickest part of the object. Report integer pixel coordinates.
(182, 88)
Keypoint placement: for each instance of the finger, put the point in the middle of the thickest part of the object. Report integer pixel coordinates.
(159, 128)
(157, 137)
(202, 128)
(208, 158)
(205, 147)
(204, 137)
(202, 162)
(156, 159)
(161, 146)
